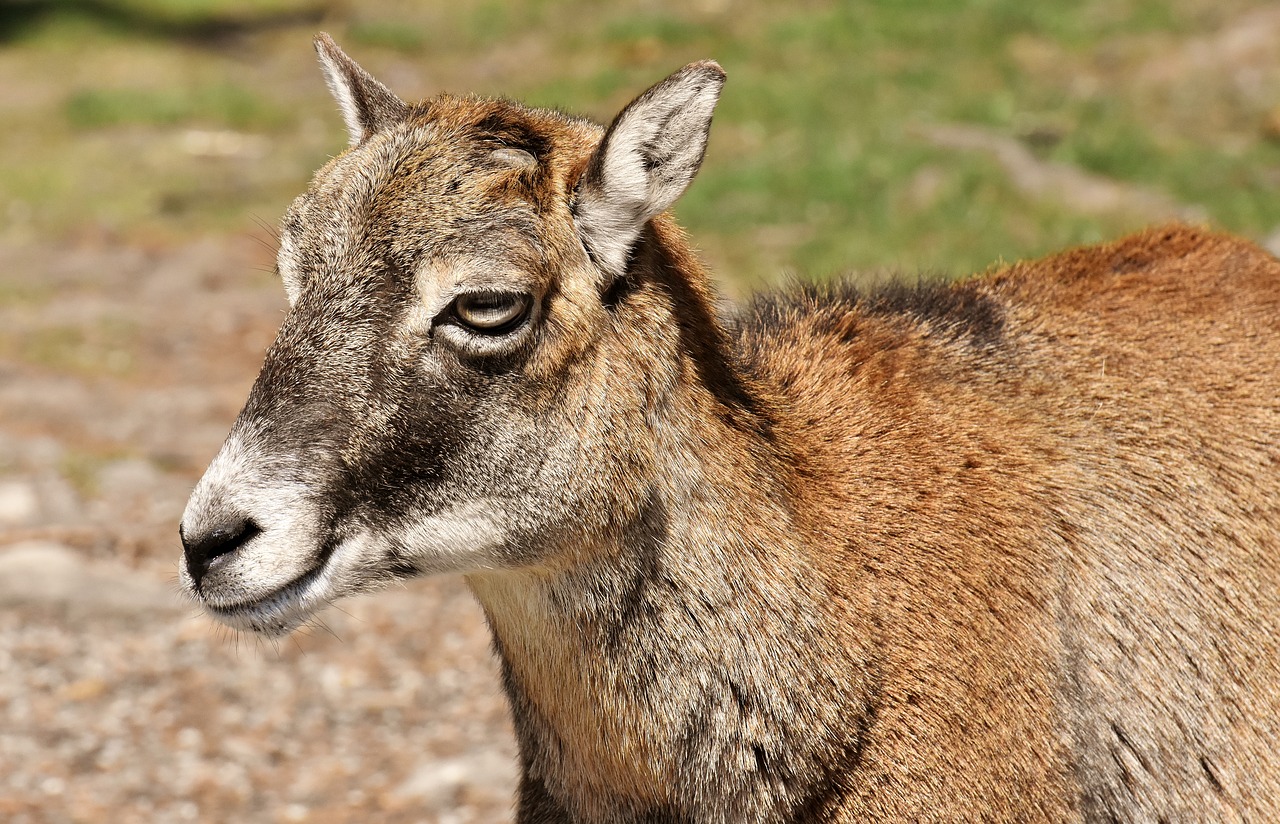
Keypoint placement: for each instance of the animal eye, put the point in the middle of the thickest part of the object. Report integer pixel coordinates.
(491, 313)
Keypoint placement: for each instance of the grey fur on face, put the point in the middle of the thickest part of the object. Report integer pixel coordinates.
(436, 444)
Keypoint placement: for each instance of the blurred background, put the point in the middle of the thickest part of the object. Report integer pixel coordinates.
(147, 148)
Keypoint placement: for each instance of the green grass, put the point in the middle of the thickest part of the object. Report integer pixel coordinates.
(224, 105)
(386, 34)
(816, 164)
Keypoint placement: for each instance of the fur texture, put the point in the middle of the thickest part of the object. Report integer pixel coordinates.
(1003, 550)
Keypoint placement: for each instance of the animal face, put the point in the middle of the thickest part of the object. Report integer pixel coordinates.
(446, 392)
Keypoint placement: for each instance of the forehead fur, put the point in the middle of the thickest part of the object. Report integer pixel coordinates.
(444, 180)
(560, 142)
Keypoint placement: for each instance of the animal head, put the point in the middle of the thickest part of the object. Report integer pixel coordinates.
(474, 350)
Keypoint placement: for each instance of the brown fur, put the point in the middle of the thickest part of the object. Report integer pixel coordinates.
(1001, 550)
(1023, 567)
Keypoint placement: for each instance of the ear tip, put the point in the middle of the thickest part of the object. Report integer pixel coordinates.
(324, 44)
(708, 68)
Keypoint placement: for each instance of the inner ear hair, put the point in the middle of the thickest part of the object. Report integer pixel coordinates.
(647, 158)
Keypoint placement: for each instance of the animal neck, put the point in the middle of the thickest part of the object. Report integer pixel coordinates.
(665, 670)
(614, 666)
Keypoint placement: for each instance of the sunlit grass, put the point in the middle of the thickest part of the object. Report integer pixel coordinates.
(223, 105)
(817, 164)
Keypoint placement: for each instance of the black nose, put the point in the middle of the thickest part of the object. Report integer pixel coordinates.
(220, 539)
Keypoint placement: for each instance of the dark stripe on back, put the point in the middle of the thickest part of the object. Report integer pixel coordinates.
(954, 310)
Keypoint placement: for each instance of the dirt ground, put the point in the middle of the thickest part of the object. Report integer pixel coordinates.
(117, 701)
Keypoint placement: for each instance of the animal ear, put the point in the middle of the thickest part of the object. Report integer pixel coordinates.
(646, 160)
(366, 104)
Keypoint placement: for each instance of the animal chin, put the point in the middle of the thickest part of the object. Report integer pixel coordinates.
(280, 611)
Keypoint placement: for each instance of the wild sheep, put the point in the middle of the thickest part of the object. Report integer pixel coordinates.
(1000, 550)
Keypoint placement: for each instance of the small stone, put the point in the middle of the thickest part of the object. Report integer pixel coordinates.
(83, 690)
(19, 503)
(439, 781)
(51, 575)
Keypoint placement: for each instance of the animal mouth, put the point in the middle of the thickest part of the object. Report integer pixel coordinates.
(283, 608)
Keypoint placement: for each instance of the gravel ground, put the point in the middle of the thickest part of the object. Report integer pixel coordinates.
(121, 368)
